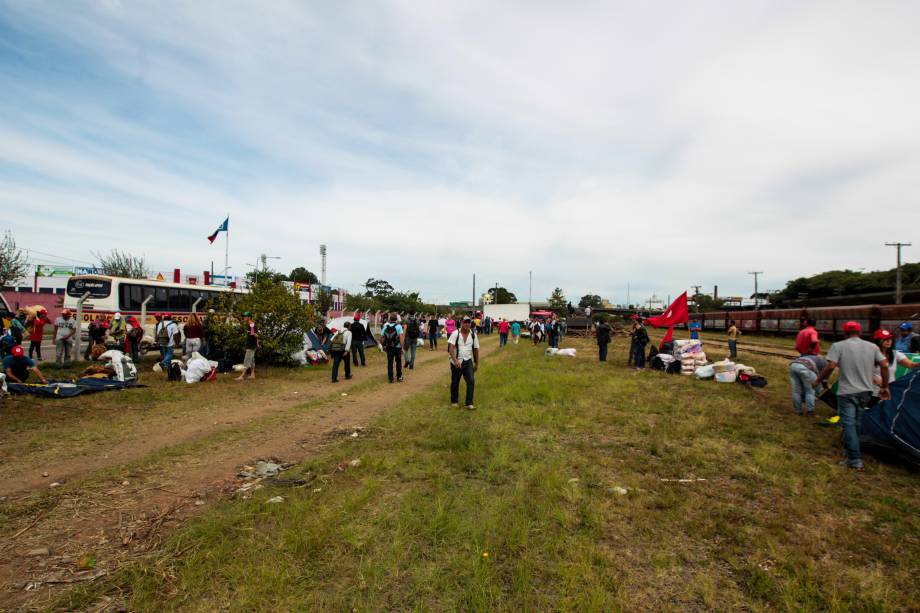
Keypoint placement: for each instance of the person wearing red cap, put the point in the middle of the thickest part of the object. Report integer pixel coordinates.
(856, 360)
(18, 365)
(38, 333)
(65, 327)
(885, 341)
(134, 337)
(358, 336)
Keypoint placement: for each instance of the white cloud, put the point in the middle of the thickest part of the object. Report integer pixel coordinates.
(596, 144)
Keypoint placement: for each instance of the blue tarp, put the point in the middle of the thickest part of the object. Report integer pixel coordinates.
(68, 389)
(895, 424)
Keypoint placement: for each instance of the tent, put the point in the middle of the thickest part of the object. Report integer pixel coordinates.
(894, 424)
(68, 389)
(339, 322)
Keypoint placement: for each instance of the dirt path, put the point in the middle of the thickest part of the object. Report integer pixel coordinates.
(145, 492)
(193, 413)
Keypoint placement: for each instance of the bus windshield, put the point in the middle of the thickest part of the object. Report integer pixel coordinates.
(97, 288)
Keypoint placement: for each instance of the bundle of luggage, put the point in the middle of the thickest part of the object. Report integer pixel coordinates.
(690, 354)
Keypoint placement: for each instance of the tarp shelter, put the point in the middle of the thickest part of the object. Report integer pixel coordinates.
(68, 389)
(895, 424)
(339, 323)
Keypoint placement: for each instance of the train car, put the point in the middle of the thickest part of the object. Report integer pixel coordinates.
(893, 315)
(716, 320)
(747, 321)
(830, 320)
(781, 320)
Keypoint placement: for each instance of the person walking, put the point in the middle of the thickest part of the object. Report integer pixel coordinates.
(604, 332)
(733, 334)
(856, 360)
(391, 339)
(433, 333)
(450, 325)
(193, 331)
(65, 327)
(802, 374)
(640, 339)
(503, 328)
(168, 337)
(341, 345)
(252, 343)
(516, 331)
(463, 347)
(806, 341)
(118, 330)
(413, 333)
(38, 333)
(358, 337)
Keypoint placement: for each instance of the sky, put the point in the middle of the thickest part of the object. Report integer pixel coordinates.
(600, 145)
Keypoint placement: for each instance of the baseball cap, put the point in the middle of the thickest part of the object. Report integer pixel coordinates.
(852, 326)
(116, 316)
(906, 326)
(18, 351)
(881, 335)
(467, 319)
(65, 312)
(357, 316)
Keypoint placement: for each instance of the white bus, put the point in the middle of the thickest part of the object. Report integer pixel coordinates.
(108, 295)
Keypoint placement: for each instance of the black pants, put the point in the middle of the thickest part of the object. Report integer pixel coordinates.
(357, 347)
(639, 358)
(35, 346)
(632, 353)
(432, 340)
(602, 351)
(465, 371)
(340, 357)
(394, 355)
(134, 347)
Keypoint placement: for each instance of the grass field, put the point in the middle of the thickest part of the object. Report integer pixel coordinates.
(575, 486)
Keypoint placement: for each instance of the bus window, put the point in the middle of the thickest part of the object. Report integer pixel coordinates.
(130, 297)
(179, 300)
(160, 301)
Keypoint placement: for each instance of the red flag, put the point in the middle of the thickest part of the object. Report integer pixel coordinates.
(677, 313)
(668, 337)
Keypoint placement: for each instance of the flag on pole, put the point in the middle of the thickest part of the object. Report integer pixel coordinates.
(677, 313)
(224, 227)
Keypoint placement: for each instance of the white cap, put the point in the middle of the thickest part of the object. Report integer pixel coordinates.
(117, 316)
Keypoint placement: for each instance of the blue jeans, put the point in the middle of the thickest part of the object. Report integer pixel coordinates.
(733, 349)
(554, 340)
(850, 407)
(411, 346)
(602, 351)
(167, 357)
(801, 378)
(502, 339)
(639, 357)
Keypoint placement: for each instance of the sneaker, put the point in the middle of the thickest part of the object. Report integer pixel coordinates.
(455, 405)
(855, 465)
(470, 407)
(400, 380)
(348, 377)
(335, 380)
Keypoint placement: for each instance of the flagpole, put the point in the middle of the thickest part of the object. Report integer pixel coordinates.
(227, 253)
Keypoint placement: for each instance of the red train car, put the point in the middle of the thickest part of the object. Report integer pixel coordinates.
(746, 321)
(716, 320)
(893, 315)
(781, 320)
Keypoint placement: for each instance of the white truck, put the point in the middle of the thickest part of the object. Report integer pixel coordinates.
(508, 312)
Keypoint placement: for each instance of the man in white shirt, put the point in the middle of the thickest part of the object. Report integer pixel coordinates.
(463, 347)
(341, 345)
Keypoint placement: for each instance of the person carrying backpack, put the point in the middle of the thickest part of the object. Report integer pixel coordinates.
(463, 347)
(168, 337)
(341, 345)
(391, 340)
(413, 333)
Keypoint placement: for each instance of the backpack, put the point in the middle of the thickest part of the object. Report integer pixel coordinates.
(163, 334)
(390, 337)
(174, 372)
(412, 330)
(338, 341)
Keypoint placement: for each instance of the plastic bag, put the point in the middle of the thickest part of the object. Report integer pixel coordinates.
(704, 372)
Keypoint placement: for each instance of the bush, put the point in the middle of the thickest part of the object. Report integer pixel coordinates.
(281, 321)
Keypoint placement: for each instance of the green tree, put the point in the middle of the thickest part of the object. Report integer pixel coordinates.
(377, 288)
(504, 296)
(281, 319)
(14, 264)
(323, 301)
(357, 302)
(121, 264)
(557, 303)
(590, 300)
(302, 275)
(703, 302)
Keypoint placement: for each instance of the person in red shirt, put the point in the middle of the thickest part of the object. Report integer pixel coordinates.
(806, 342)
(38, 333)
(503, 327)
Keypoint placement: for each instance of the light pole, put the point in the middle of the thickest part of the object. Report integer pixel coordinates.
(897, 286)
(756, 296)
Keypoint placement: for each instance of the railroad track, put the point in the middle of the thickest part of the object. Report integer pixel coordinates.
(770, 351)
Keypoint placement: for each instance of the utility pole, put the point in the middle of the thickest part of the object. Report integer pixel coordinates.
(756, 296)
(530, 291)
(322, 253)
(897, 287)
(496, 292)
(696, 289)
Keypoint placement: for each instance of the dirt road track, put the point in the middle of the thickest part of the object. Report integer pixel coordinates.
(122, 505)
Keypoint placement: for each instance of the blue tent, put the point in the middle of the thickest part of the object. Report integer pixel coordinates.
(895, 424)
